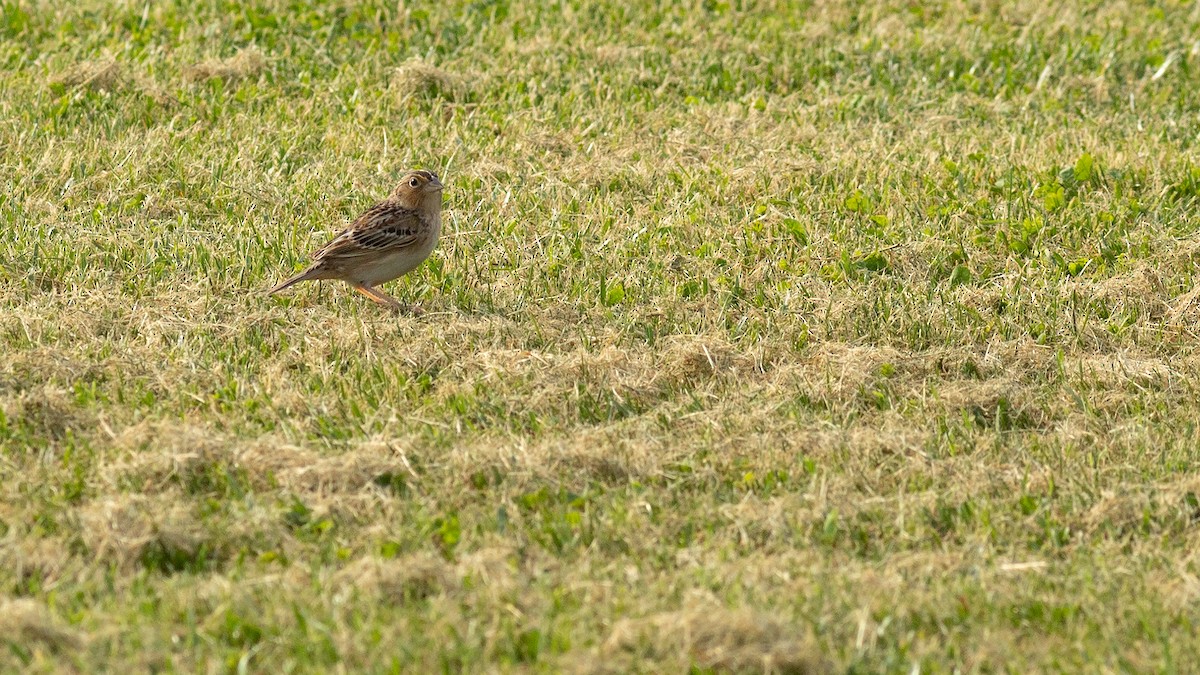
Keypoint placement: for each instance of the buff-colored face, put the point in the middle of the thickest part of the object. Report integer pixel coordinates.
(416, 186)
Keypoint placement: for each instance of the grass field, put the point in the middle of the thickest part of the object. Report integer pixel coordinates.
(776, 336)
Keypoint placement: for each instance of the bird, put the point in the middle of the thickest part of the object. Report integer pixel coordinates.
(385, 242)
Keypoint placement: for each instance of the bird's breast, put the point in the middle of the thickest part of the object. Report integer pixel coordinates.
(398, 263)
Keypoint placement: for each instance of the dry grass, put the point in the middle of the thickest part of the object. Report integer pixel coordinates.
(715, 639)
(417, 78)
(248, 62)
(101, 75)
(27, 623)
(398, 580)
(128, 529)
(857, 337)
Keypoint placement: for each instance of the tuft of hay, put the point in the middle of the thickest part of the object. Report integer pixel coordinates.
(49, 412)
(1165, 507)
(596, 466)
(411, 577)
(715, 639)
(1185, 309)
(247, 62)
(107, 75)
(46, 560)
(132, 529)
(418, 79)
(695, 358)
(492, 567)
(25, 621)
(102, 75)
(614, 53)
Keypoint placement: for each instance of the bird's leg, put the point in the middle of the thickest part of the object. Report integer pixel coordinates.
(379, 296)
(394, 303)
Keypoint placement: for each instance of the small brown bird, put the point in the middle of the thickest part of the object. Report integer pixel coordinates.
(387, 241)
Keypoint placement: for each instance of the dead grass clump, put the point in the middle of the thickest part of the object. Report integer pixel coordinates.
(411, 577)
(158, 532)
(920, 259)
(1170, 507)
(584, 365)
(995, 403)
(503, 364)
(1115, 370)
(1186, 307)
(986, 299)
(1024, 356)
(102, 75)
(856, 360)
(493, 566)
(548, 144)
(45, 560)
(25, 621)
(247, 62)
(722, 640)
(595, 467)
(690, 358)
(29, 369)
(842, 372)
(48, 412)
(306, 472)
(614, 53)
(610, 373)
(584, 459)
(759, 522)
(972, 394)
(891, 437)
(1121, 513)
(417, 79)
(892, 29)
(163, 456)
(1140, 290)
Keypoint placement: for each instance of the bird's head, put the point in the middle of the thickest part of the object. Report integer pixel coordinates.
(419, 188)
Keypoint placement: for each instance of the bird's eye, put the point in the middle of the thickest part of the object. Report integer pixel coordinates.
(414, 182)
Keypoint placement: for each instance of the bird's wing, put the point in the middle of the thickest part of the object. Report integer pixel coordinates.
(384, 227)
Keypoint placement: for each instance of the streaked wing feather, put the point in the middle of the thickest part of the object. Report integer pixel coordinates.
(385, 226)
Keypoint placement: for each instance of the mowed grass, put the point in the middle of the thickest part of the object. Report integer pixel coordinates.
(783, 337)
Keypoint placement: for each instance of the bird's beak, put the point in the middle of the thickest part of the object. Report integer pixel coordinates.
(434, 185)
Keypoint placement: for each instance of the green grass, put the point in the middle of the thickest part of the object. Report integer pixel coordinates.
(785, 337)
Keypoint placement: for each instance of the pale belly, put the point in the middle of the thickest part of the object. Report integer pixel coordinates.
(398, 264)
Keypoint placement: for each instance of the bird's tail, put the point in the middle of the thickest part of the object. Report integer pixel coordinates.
(307, 274)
